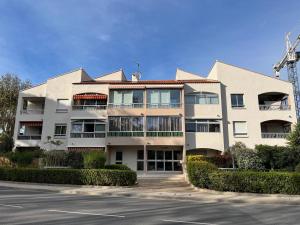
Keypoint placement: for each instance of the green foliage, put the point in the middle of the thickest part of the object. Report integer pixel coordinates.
(22, 159)
(198, 172)
(297, 168)
(248, 159)
(6, 143)
(243, 181)
(94, 160)
(294, 137)
(5, 162)
(117, 167)
(221, 161)
(70, 176)
(55, 158)
(75, 159)
(278, 157)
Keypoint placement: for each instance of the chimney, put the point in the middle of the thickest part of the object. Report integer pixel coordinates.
(136, 76)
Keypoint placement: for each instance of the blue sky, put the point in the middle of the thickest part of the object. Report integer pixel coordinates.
(39, 39)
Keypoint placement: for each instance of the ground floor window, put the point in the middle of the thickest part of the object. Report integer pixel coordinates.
(119, 157)
(140, 160)
(164, 160)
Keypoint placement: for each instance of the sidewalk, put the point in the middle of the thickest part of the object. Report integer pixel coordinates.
(186, 193)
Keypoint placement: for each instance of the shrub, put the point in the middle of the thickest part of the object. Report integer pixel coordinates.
(75, 159)
(5, 162)
(297, 168)
(21, 159)
(196, 158)
(248, 159)
(198, 172)
(6, 143)
(55, 158)
(117, 167)
(70, 176)
(223, 161)
(204, 175)
(94, 159)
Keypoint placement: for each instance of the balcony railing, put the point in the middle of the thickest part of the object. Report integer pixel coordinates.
(164, 133)
(88, 135)
(125, 134)
(29, 137)
(163, 105)
(131, 105)
(32, 111)
(274, 107)
(88, 107)
(274, 135)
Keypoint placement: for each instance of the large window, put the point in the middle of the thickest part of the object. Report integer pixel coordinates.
(202, 98)
(119, 157)
(126, 98)
(240, 127)
(87, 129)
(163, 98)
(60, 130)
(126, 126)
(164, 123)
(200, 125)
(237, 100)
(160, 160)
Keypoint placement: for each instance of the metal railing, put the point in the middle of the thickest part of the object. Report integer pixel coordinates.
(125, 133)
(164, 133)
(274, 107)
(130, 105)
(32, 111)
(88, 107)
(163, 105)
(29, 137)
(61, 110)
(88, 135)
(274, 135)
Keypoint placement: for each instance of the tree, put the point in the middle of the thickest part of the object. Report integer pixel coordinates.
(10, 86)
(235, 151)
(294, 137)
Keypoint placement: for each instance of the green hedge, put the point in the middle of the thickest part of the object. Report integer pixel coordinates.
(116, 167)
(101, 177)
(204, 175)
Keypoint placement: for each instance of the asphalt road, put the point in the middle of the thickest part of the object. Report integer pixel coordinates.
(22, 206)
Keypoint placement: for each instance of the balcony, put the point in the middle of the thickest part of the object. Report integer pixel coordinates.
(129, 105)
(29, 137)
(87, 135)
(33, 106)
(163, 105)
(275, 129)
(273, 101)
(164, 133)
(125, 134)
(88, 107)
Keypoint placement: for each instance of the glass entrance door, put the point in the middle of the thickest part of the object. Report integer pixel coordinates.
(164, 160)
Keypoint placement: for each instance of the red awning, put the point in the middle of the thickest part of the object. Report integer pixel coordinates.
(32, 123)
(90, 96)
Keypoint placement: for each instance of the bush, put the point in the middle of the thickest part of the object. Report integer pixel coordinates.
(55, 158)
(248, 159)
(117, 167)
(6, 143)
(204, 176)
(196, 158)
(5, 162)
(221, 161)
(21, 159)
(75, 159)
(297, 168)
(198, 172)
(94, 160)
(70, 176)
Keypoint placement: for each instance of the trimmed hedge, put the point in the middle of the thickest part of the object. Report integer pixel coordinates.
(116, 167)
(204, 175)
(102, 177)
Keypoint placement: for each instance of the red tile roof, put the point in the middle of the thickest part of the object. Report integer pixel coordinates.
(151, 82)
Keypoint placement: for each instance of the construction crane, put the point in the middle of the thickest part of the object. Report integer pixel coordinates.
(290, 59)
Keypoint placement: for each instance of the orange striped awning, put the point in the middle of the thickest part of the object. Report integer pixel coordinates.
(90, 96)
(32, 123)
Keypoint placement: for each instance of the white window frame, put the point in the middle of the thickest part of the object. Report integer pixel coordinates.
(60, 134)
(240, 133)
(60, 109)
(237, 106)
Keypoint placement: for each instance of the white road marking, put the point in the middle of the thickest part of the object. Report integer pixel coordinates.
(186, 222)
(13, 206)
(85, 213)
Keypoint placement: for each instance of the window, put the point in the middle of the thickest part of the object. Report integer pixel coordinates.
(126, 98)
(237, 100)
(125, 123)
(202, 98)
(87, 129)
(119, 157)
(164, 160)
(60, 130)
(200, 125)
(163, 98)
(140, 160)
(62, 105)
(164, 123)
(240, 127)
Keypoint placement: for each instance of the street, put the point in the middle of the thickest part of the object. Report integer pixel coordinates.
(24, 206)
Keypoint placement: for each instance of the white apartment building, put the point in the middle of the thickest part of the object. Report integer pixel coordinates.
(150, 125)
